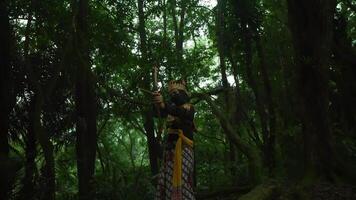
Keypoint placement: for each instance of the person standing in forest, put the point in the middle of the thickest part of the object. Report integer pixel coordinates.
(175, 180)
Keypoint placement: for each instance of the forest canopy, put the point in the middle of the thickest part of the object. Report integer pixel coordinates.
(272, 84)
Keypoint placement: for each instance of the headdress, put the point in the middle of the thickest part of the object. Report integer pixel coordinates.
(177, 84)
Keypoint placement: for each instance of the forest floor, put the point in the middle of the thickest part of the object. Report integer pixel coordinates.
(320, 191)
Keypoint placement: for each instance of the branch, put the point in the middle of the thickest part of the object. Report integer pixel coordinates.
(153, 10)
(202, 95)
(203, 7)
(114, 93)
(227, 127)
(137, 126)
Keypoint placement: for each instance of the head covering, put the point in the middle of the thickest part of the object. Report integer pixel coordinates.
(177, 84)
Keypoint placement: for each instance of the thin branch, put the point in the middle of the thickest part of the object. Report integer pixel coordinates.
(198, 96)
(114, 93)
(137, 126)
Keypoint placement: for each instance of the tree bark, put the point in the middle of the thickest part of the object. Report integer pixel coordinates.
(48, 191)
(27, 191)
(270, 143)
(86, 104)
(7, 100)
(247, 37)
(5, 74)
(311, 25)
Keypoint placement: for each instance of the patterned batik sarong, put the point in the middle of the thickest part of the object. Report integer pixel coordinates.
(167, 188)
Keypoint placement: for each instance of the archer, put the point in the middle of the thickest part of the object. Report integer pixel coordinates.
(175, 179)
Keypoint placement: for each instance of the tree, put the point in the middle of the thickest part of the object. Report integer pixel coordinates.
(85, 101)
(248, 23)
(145, 65)
(311, 24)
(70, 73)
(7, 100)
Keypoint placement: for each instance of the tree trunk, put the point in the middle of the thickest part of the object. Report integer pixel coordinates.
(179, 44)
(165, 42)
(176, 28)
(151, 141)
(27, 191)
(86, 105)
(48, 191)
(244, 12)
(5, 79)
(179, 34)
(233, 162)
(48, 174)
(253, 157)
(220, 33)
(7, 100)
(270, 143)
(220, 27)
(260, 108)
(153, 146)
(239, 112)
(311, 26)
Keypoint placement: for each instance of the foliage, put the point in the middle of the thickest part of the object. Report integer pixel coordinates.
(43, 49)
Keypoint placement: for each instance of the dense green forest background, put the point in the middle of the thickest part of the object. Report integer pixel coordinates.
(273, 83)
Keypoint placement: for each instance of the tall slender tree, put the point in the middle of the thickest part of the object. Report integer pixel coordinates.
(146, 65)
(179, 25)
(85, 102)
(38, 102)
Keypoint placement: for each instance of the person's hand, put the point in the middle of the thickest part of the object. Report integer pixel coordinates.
(158, 99)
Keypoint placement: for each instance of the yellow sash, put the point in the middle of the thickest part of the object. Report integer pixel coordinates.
(177, 167)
